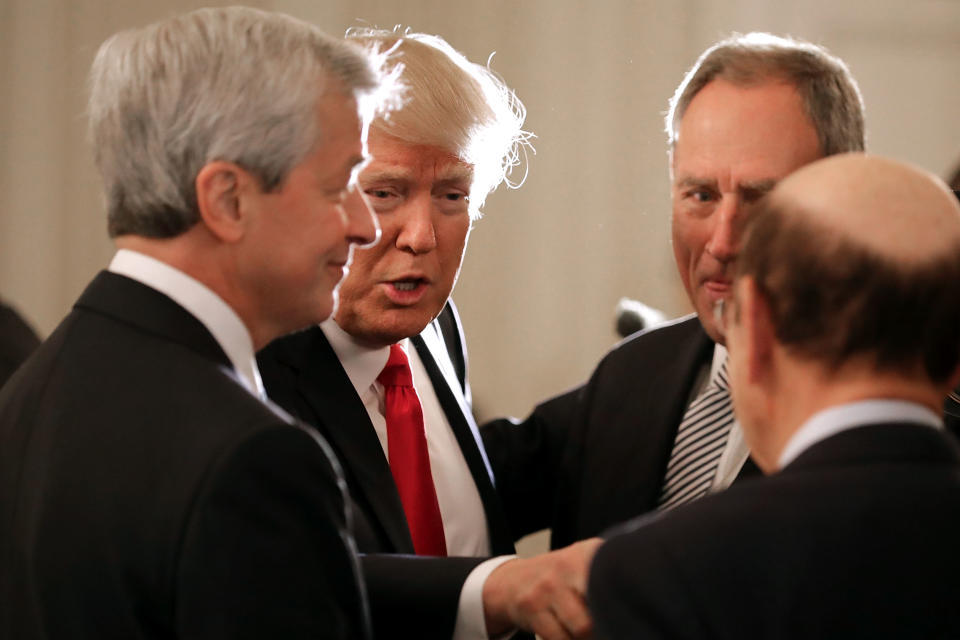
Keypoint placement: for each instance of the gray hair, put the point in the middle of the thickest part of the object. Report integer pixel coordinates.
(454, 104)
(233, 84)
(830, 94)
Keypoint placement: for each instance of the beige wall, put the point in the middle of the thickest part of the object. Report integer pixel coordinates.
(548, 262)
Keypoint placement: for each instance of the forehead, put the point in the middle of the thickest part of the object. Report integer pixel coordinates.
(401, 159)
(340, 143)
(894, 209)
(338, 116)
(753, 133)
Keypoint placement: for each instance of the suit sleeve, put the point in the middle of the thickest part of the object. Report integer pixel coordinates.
(266, 553)
(527, 459)
(415, 597)
(635, 591)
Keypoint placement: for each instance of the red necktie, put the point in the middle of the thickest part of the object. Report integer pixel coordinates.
(407, 453)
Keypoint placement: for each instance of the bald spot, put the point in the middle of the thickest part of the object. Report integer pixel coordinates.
(891, 208)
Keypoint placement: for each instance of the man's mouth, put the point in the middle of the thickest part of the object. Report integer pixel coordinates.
(406, 285)
(717, 287)
(406, 291)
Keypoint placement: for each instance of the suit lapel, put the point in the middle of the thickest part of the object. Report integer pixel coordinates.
(431, 348)
(338, 412)
(659, 406)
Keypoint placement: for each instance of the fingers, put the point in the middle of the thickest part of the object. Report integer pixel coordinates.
(570, 610)
(547, 627)
(543, 594)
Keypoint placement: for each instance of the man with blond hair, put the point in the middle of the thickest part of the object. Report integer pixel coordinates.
(844, 338)
(423, 485)
(147, 487)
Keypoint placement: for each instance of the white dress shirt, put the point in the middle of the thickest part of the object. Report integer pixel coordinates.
(461, 509)
(203, 304)
(828, 422)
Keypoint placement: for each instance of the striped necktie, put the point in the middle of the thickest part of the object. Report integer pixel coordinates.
(700, 442)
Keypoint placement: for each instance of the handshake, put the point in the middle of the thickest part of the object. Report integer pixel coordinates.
(545, 594)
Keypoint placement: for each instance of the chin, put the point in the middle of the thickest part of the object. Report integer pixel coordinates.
(321, 313)
(406, 330)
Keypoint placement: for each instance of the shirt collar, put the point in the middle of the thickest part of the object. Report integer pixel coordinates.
(831, 421)
(205, 305)
(719, 355)
(361, 363)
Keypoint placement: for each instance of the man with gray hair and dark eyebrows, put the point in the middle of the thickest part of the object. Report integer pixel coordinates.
(385, 379)
(148, 489)
(653, 428)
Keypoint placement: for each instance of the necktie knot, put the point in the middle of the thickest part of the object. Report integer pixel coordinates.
(396, 373)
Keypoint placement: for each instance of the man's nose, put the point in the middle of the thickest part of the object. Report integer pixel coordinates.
(724, 243)
(417, 233)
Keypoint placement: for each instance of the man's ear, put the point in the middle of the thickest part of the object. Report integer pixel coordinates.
(220, 189)
(758, 330)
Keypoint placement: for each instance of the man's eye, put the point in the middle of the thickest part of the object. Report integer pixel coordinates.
(378, 193)
(453, 202)
(701, 195)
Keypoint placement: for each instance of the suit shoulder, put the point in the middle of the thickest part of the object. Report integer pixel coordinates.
(660, 342)
(290, 346)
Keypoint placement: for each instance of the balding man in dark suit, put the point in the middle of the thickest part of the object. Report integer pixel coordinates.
(844, 337)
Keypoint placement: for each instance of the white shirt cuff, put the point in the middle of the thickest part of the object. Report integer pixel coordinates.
(471, 623)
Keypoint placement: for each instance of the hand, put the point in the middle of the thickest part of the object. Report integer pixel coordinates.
(543, 594)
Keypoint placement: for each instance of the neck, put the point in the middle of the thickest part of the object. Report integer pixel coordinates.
(807, 388)
(197, 254)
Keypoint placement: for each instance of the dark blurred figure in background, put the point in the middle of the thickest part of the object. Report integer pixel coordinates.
(17, 341)
(951, 408)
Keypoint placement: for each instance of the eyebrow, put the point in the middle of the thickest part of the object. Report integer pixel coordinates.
(690, 181)
(452, 175)
(754, 186)
(386, 174)
(758, 186)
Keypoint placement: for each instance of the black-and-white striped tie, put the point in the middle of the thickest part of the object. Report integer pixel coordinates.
(700, 441)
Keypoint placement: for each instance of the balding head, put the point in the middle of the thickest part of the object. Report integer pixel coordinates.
(859, 257)
(894, 210)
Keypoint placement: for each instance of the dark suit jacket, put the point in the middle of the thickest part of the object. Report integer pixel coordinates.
(596, 456)
(856, 538)
(17, 341)
(145, 494)
(410, 596)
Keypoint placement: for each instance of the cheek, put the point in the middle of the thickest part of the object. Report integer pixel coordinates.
(689, 237)
(681, 247)
(455, 235)
(360, 279)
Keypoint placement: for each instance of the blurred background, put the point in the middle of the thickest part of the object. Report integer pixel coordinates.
(548, 262)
